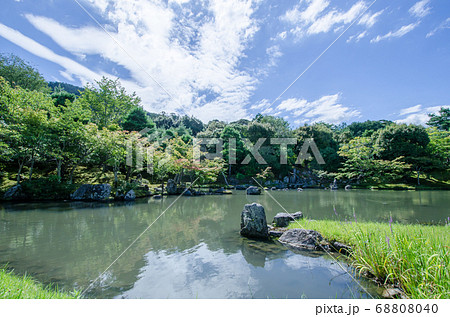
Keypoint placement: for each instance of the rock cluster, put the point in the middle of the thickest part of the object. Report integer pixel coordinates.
(87, 192)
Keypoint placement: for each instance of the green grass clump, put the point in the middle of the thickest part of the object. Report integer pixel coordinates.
(412, 257)
(16, 287)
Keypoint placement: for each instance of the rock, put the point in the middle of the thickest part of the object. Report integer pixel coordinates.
(276, 233)
(88, 192)
(188, 193)
(227, 192)
(253, 190)
(302, 239)
(253, 222)
(82, 193)
(240, 187)
(297, 215)
(299, 189)
(348, 187)
(273, 188)
(286, 179)
(157, 197)
(392, 293)
(341, 248)
(14, 193)
(100, 192)
(130, 196)
(282, 219)
(171, 187)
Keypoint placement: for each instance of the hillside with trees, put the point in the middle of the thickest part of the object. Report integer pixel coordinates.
(60, 137)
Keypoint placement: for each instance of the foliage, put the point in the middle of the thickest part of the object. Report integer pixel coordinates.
(71, 89)
(361, 165)
(108, 102)
(21, 74)
(138, 120)
(440, 121)
(16, 287)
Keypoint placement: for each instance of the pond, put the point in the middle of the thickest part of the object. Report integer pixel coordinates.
(194, 249)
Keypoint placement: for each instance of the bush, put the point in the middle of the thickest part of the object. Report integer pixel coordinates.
(48, 188)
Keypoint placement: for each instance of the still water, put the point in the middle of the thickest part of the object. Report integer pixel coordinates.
(194, 249)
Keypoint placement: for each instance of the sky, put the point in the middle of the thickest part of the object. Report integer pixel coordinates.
(307, 61)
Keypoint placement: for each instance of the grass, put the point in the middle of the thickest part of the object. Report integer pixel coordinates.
(24, 287)
(414, 258)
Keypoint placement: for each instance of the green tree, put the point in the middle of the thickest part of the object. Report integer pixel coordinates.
(138, 120)
(440, 121)
(20, 73)
(361, 165)
(108, 102)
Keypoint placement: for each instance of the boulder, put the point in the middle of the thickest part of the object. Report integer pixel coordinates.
(253, 190)
(14, 193)
(240, 187)
(282, 219)
(348, 187)
(188, 193)
(98, 192)
(157, 197)
(253, 222)
(341, 248)
(302, 239)
(130, 196)
(171, 187)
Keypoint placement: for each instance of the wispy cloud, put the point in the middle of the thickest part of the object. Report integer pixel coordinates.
(396, 34)
(444, 25)
(193, 53)
(420, 9)
(417, 114)
(71, 68)
(311, 17)
(325, 109)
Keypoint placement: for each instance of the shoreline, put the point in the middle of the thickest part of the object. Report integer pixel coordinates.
(411, 259)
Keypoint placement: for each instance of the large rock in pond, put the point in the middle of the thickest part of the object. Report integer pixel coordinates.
(302, 239)
(100, 192)
(282, 219)
(253, 222)
(253, 190)
(14, 193)
(130, 196)
(173, 189)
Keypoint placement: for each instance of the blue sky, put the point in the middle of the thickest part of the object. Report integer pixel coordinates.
(232, 59)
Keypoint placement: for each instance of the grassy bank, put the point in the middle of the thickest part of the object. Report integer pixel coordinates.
(413, 257)
(24, 287)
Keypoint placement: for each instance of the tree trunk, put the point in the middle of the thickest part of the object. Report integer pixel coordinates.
(19, 172)
(127, 177)
(71, 174)
(116, 179)
(31, 169)
(58, 170)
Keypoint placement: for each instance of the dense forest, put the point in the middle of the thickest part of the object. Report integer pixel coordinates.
(60, 134)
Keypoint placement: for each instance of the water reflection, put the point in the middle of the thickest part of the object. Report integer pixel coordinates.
(194, 249)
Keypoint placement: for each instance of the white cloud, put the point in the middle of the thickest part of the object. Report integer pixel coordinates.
(357, 37)
(396, 34)
(417, 114)
(71, 67)
(274, 53)
(420, 9)
(262, 104)
(195, 56)
(444, 25)
(315, 16)
(325, 109)
(369, 19)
